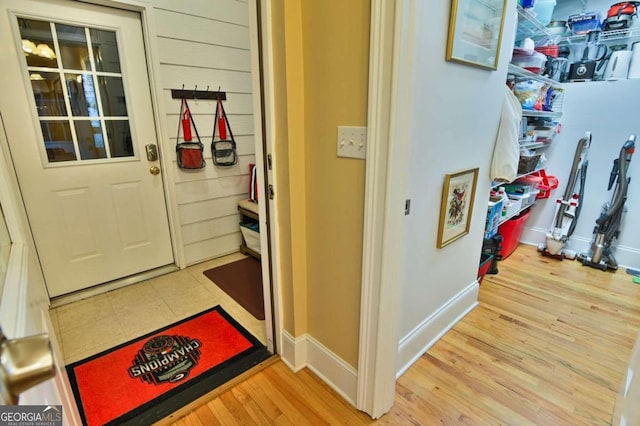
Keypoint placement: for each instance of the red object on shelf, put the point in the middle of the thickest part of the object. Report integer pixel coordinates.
(553, 50)
(548, 184)
(511, 232)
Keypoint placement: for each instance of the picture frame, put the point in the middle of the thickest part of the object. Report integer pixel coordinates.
(456, 207)
(475, 32)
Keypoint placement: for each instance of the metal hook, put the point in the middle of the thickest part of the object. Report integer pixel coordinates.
(194, 92)
(207, 88)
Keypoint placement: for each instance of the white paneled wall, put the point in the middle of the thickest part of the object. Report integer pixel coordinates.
(206, 43)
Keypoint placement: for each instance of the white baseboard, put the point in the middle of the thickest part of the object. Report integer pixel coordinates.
(305, 351)
(421, 338)
(626, 256)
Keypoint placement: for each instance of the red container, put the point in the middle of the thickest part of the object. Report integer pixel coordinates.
(553, 50)
(485, 264)
(511, 232)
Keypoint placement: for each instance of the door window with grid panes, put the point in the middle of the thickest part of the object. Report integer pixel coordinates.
(79, 95)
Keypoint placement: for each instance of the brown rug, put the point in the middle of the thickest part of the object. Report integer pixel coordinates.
(242, 280)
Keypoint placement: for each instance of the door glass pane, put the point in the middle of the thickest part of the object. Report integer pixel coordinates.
(37, 43)
(58, 140)
(73, 47)
(82, 88)
(120, 142)
(105, 50)
(82, 95)
(48, 94)
(112, 94)
(90, 140)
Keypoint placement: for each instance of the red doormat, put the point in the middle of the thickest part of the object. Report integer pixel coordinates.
(242, 280)
(148, 378)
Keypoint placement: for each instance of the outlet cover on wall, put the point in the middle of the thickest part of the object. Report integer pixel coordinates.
(352, 142)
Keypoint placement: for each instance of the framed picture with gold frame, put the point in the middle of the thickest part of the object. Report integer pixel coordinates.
(456, 206)
(475, 32)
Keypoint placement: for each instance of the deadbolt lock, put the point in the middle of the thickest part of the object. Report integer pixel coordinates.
(154, 170)
(152, 152)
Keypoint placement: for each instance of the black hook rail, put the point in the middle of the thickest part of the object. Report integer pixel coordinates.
(198, 94)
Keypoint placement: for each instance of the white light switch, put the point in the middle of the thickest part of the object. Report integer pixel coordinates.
(352, 142)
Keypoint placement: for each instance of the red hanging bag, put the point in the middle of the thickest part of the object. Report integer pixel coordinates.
(190, 155)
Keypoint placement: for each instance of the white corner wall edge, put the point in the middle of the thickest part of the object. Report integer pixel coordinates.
(420, 339)
(626, 256)
(305, 351)
(294, 351)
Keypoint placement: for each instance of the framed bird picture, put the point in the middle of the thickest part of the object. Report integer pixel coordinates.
(457, 206)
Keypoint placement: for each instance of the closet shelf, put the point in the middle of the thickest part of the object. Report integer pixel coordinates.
(497, 184)
(521, 73)
(535, 113)
(530, 27)
(534, 145)
(625, 34)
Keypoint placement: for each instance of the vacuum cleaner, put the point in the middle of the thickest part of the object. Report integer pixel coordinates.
(569, 206)
(607, 227)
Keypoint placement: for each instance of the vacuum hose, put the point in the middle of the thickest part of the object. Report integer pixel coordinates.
(621, 191)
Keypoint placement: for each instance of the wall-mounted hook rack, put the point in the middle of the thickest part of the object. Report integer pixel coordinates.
(198, 94)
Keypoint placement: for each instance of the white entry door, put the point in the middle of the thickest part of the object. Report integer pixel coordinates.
(77, 108)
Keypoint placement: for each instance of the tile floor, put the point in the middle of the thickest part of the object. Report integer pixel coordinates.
(100, 322)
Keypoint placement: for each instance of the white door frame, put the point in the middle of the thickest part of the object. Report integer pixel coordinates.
(269, 242)
(384, 232)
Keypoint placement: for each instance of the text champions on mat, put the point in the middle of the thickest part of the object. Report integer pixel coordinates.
(167, 359)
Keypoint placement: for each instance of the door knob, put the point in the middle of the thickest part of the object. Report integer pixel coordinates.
(154, 170)
(24, 363)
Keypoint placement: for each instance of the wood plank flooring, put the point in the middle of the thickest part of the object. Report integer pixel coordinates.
(548, 345)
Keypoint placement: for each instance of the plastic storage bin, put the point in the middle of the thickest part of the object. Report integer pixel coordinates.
(251, 235)
(544, 10)
(535, 62)
(511, 232)
(511, 207)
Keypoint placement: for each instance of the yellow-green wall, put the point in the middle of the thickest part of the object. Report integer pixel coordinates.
(321, 55)
(336, 62)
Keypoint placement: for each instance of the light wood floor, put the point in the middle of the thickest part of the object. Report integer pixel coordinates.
(548, 345)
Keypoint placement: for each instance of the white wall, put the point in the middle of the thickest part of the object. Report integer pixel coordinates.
(609, 111)
(206, 43)
(452, 112)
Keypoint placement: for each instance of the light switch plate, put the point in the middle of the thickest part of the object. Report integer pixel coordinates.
(352, 142)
